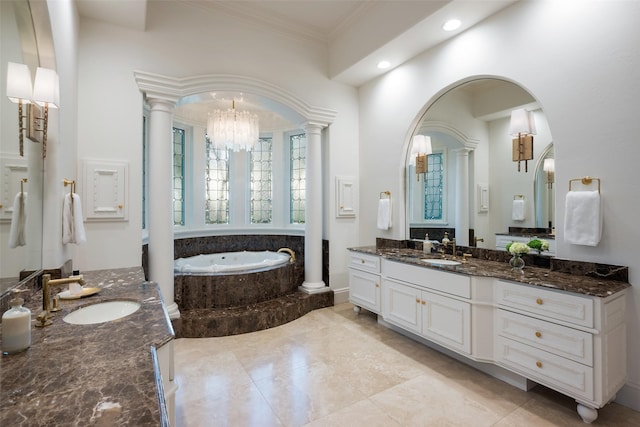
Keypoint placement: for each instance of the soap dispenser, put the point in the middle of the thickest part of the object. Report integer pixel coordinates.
(445, 239)
(426, 245)
(16, 327)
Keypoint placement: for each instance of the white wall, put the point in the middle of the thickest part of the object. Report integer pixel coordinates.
(582, 63)
(183, 41)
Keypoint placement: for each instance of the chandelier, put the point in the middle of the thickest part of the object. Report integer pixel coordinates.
(232, 129)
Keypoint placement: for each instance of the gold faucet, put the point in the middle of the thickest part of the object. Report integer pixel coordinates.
(476, 240)
(292, 254)
(43, 318)
(453, 242)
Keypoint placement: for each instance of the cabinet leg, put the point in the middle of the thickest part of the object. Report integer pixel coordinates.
(588, 415)
(356, 309)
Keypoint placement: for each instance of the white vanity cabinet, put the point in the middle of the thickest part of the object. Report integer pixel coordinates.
(414, 298)
(364, 282)
(567, 341)
(166, 365)
(572, 343)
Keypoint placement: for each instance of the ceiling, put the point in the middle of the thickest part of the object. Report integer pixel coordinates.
(357, 33)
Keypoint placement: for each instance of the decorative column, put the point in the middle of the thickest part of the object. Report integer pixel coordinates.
(161, 200)
(462, 196)
(313, 212)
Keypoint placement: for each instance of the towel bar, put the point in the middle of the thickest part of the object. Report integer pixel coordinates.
(387, 193)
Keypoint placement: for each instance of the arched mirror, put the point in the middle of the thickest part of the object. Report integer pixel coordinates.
(20, 173)
(471, 178)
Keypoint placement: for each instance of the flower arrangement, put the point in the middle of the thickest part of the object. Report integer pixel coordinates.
(517, 248)
(539, 245)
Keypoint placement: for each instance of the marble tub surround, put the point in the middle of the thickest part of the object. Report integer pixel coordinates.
(101, 374)
(495, 264)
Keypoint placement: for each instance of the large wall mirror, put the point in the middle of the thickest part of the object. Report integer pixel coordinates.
(20, 174)
(471, 180)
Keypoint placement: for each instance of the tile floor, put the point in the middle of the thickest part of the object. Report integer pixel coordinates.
(333, 368)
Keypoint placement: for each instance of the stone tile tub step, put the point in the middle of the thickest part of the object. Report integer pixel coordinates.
(218, 322)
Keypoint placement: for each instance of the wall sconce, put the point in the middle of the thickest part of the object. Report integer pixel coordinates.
(46, 94)
(549, 167)
(420, 149)
(19, 92)
(523, 126)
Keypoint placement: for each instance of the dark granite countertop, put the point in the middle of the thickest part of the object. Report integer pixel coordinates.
(530, 235)
(544, 277)
(82, 375)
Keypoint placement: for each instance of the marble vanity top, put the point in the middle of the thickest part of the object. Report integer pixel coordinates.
(531, 275)
(102, 374)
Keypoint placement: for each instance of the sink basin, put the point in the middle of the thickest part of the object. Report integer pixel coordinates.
(102, 312)
(442, 261)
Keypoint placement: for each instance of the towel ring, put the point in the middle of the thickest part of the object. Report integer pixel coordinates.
(585, 180)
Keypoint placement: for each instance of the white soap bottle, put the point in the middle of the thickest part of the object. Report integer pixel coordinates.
(16, 327)
(426, 245)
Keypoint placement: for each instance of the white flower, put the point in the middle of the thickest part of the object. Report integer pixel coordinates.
(518, 248)
(545, 245)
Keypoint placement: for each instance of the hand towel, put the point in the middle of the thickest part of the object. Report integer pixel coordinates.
(517, 211)
(18, 221)
(583, 218)
(384, 214)
(72, 222)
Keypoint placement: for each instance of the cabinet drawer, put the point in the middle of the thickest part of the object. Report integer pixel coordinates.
(548, 369)
(556, 339)
(425, 277)
(364, 262)
(549, 304)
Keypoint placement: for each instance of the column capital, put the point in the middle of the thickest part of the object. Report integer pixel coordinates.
(313, 127)
(161, 104)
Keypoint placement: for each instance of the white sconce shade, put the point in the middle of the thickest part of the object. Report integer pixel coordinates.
(46, 88)
(421, 144)
(549, 165)
(18, 83)
(522, 122)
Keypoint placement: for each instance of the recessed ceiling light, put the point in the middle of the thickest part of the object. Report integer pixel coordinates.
(384, 64)
(452, 24)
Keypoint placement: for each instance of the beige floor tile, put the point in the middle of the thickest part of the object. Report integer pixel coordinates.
(335, 368)
(361, 414)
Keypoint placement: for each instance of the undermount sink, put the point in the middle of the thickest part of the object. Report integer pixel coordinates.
(102, 312)
(441, 261)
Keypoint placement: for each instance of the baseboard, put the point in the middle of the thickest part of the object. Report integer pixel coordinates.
(629, 396)
(340, 295)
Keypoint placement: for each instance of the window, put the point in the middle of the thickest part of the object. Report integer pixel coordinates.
(178, 176)
(217, 185)
(297, 168)
(433, 187)
(261, 181)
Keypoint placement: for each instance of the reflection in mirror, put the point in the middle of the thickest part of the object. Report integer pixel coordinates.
(469, 188)
(21, 175)
(544, 189)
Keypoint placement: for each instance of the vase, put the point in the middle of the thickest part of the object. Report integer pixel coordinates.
(516, 263)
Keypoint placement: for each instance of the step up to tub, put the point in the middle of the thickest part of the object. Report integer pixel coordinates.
(217, 322)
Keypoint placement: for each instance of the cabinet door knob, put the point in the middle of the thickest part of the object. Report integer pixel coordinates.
(377, 285)
(424, 302)
(539, 364)
(362, 261)
(418, 300)
(538, 334)
(539, 301)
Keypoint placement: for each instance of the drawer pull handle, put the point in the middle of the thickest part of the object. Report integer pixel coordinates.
(539, 364)
(539, 301)
(362, 261)
(538, 334)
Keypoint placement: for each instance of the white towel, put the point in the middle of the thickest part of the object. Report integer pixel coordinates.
(72, 223)
(583, 218)
(384, 214)
(18, 221)
(517, 211)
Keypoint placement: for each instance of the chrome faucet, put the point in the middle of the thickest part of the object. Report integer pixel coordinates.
(44, 318)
